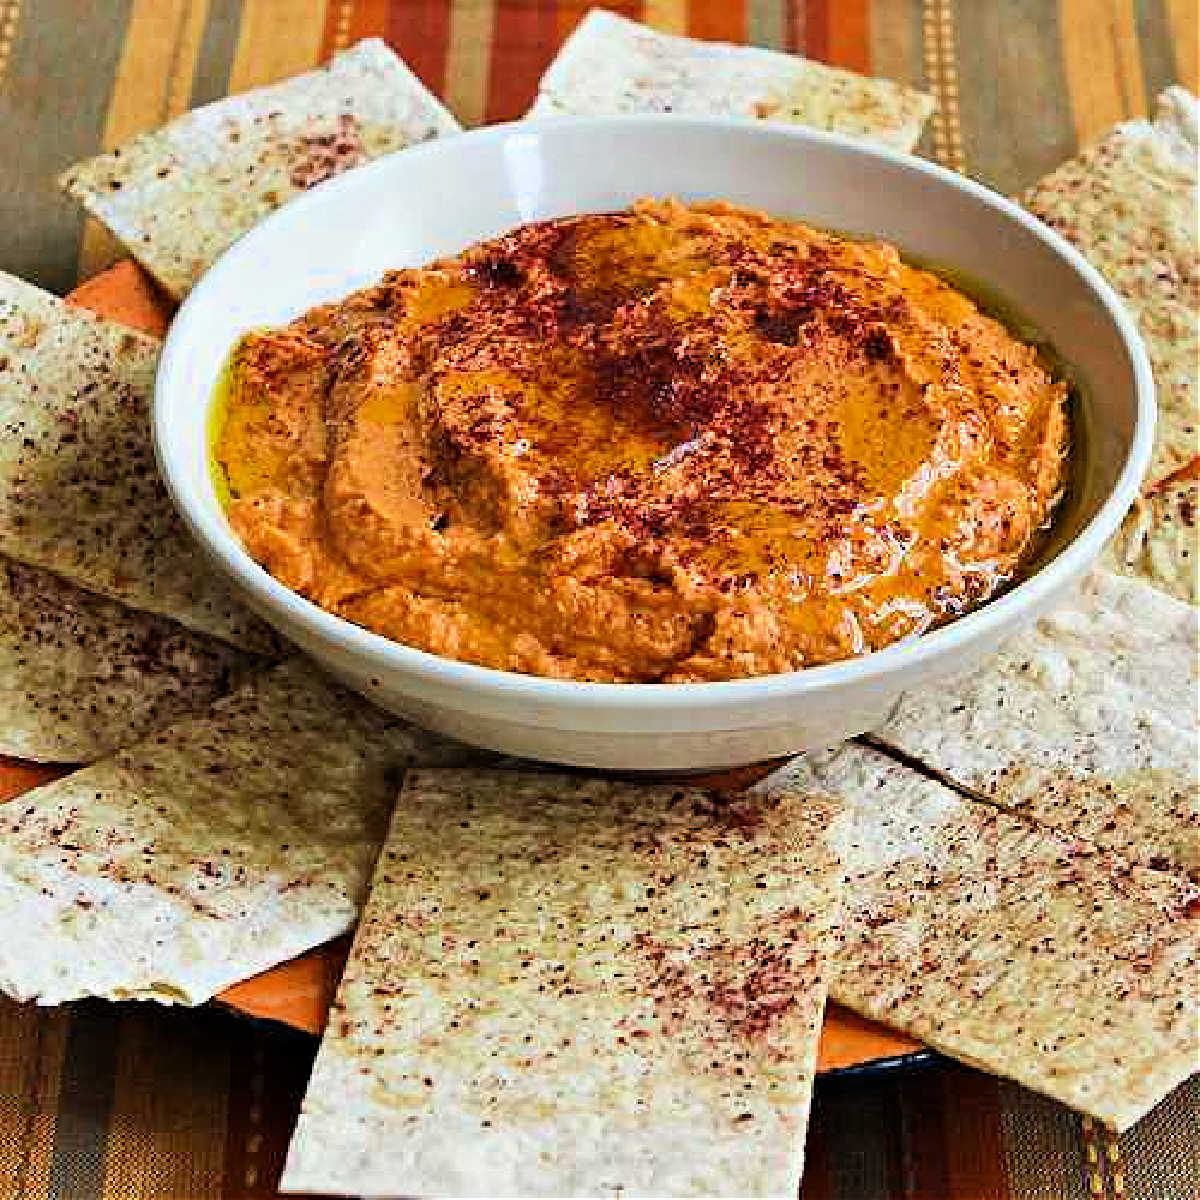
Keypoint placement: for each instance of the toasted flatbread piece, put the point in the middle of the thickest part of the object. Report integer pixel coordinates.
(81, 675)
(180, 196)
(613, 65)
(217, 847)
(1159, 539)
(1011, 947)
(80, 493)
(569, 987)
(1086, 723)
(1129, 204)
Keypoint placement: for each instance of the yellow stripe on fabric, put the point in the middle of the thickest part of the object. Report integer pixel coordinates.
(1103, 64)
(167, 1124)
(276, 38)
(1184, 19)
(32, 1044)
(152, 85)
(10, 17)
(667, 16)
(468, 58)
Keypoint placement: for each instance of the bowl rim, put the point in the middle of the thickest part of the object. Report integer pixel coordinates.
(580, 695)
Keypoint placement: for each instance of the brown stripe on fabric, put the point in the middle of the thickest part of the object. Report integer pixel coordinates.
(1161, 1153)
(718, 22)
(276, 39)
(1184, 19)
(468, 58)
(795, 35)
(839, 33)
(1102, 64)
(419, 31)
(40, 227)
(1016, 121)
(210, 80)
(525, 40)
(971, 1141)
(88, 1075)
(921, 1140)
(167, 1126)
(32, 1047)
(270, 1069)
(1043, 1148)
(765, 23)
(1154, 38)
(852, 1151)
(894, 28)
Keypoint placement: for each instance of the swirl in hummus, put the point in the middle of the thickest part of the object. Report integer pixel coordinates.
(667, 444)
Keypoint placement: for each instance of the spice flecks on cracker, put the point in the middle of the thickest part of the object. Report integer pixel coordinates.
(1012, 947)
(215, 848)
(611, 65)
(569, 986)
(180, 196)
(80, 493)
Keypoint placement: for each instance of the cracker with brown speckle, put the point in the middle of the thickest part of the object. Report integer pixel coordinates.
(1159, 540)
(611, 65)
(80, 493)
(565, 986)
(1129, 204)
(1087, 723)
(180, 196)
(1008, 946)
(81, 675)
(214, 849)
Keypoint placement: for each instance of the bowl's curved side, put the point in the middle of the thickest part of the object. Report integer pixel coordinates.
(436, 198)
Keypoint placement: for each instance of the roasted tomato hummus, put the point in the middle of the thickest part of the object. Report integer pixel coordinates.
(673, 443)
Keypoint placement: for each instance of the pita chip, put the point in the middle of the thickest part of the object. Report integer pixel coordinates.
(611, 65)
(1009, 946)
(1129, 204)
(180, 196)
(574, 987)
(80, 493)
(1159, 540)
(81, 675)
(213, 849)
(1087, 723)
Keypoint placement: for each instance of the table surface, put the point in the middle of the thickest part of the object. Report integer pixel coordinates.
(138, 1102)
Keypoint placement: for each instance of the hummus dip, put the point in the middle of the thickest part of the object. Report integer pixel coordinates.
(667, 444)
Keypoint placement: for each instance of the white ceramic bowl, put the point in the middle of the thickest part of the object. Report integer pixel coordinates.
(436, 198)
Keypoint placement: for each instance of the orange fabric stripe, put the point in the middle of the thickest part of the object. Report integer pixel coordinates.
(795, 27)
(336, 35)
(420, 32)
(368, 18)
(524, 41)
(569, 13)
(718, 22)
(667, 16)
(1102, 64)
(847, 33)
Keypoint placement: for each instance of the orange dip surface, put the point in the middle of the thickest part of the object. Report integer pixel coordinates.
(667, 444)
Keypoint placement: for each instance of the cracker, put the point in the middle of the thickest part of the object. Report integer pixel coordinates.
(81, 675)
(1129, 204)
(1087, 723)
(214, 849)
(180, 196)
(80, 493)
(565, 986)
(613, 65)
(1010, 947)
(1158, 539)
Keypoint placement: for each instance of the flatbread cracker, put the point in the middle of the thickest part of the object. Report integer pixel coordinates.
(1010, 947)
(212, 850)
(80, 493)
(1129, 204)
(180, 196)
(1086, 723)
(565, 986)
(1159, 540)
(81, 675)
(613, 65)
